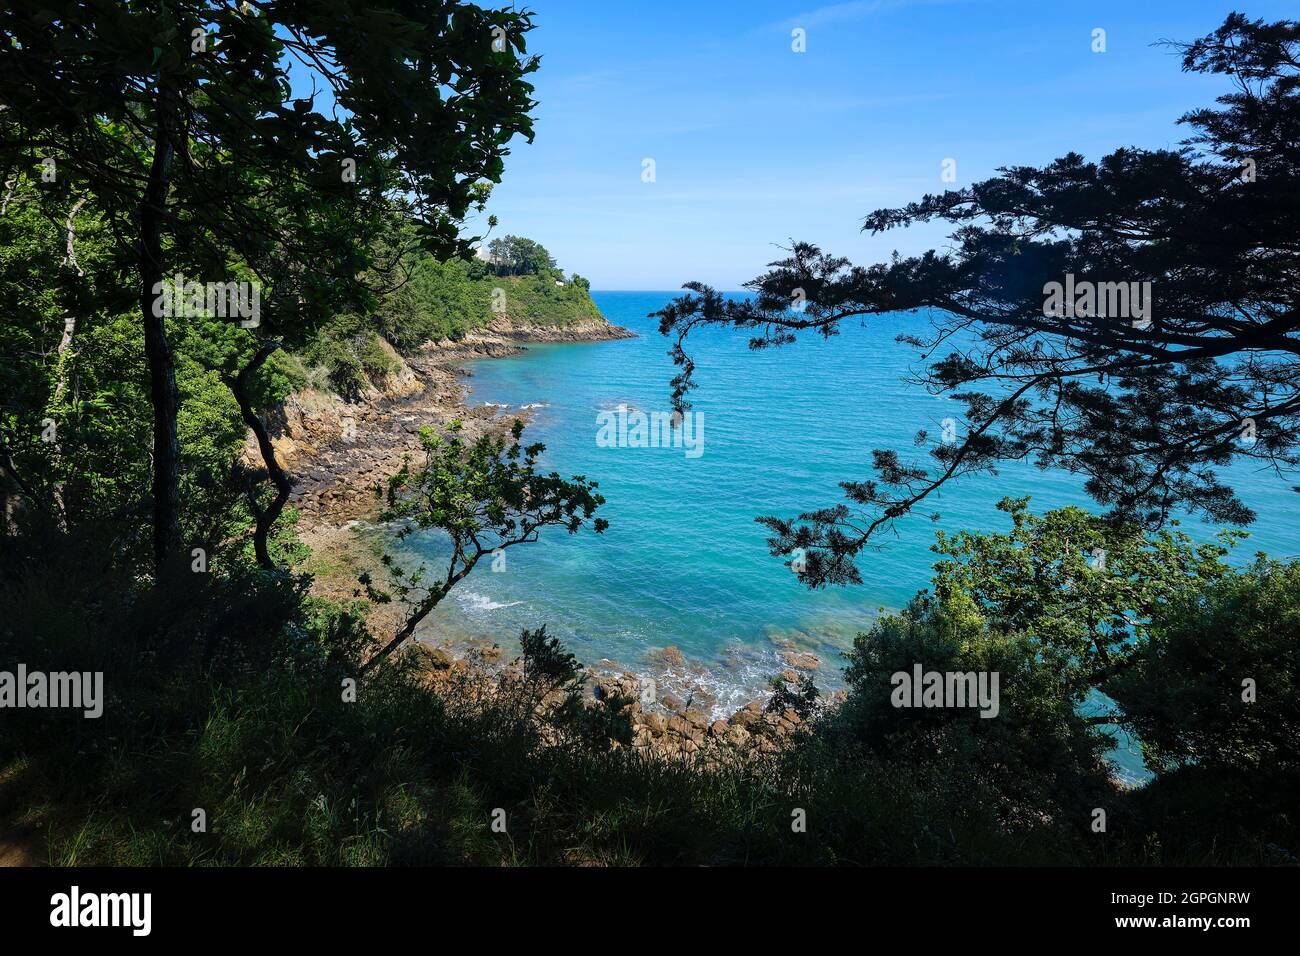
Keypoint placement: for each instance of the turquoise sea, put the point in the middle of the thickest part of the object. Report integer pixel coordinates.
(683, 562)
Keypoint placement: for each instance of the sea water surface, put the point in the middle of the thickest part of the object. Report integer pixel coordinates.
(683, 562)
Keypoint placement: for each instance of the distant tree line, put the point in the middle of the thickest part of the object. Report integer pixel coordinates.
(517, 256)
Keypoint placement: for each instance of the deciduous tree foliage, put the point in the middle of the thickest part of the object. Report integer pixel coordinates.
(485, 496)
(1145, 411)
(1081, 588)
(263, 140)
(516, 256)
(1214, 678)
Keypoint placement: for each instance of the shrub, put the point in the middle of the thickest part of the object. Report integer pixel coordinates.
(1214, 682)
(802, 699)
(1038, 758)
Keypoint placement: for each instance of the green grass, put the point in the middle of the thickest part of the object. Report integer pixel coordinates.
(537, 300)
(229, 699)
(288, 774)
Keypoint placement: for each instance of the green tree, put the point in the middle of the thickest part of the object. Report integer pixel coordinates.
(187, 127)
(1038, 755)
(1080, 588)
(801, 697)
(550, 672)
(516, 256)
(486, 496)
(439, 302)
(1197, 661)
(74, 392)
(1215, 682)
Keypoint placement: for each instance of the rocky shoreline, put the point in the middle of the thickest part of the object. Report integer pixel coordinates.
(662, 727)
(341, 454)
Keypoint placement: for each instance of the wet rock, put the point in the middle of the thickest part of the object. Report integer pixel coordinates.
(668, 656)
(436, 658)
(627, 686)
(554, 698)
(802, 660)
(700, 697)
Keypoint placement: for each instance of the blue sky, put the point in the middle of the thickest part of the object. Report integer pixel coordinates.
(755, 144)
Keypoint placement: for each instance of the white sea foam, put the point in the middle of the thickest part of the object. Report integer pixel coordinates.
(473, 601)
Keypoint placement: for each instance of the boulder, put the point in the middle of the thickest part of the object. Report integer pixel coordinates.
(668, 656)
(802, 660)
(437, 658)
(742, 718)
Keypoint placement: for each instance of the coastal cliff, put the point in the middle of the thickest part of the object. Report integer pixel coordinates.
(337, 450)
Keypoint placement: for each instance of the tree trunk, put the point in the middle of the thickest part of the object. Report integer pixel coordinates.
(266, 517)
(407, 630)
(162, 365)
(421, 612)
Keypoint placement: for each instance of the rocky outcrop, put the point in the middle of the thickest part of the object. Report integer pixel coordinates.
(338, 453)
(802, 660)
(668, 728)
(353, 449)
(753, 731)
(589, 330)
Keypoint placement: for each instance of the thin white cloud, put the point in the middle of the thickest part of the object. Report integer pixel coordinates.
(596, 79)
(854, 10)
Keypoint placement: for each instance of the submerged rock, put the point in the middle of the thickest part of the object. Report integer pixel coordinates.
(802, 660)
(668, 656)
